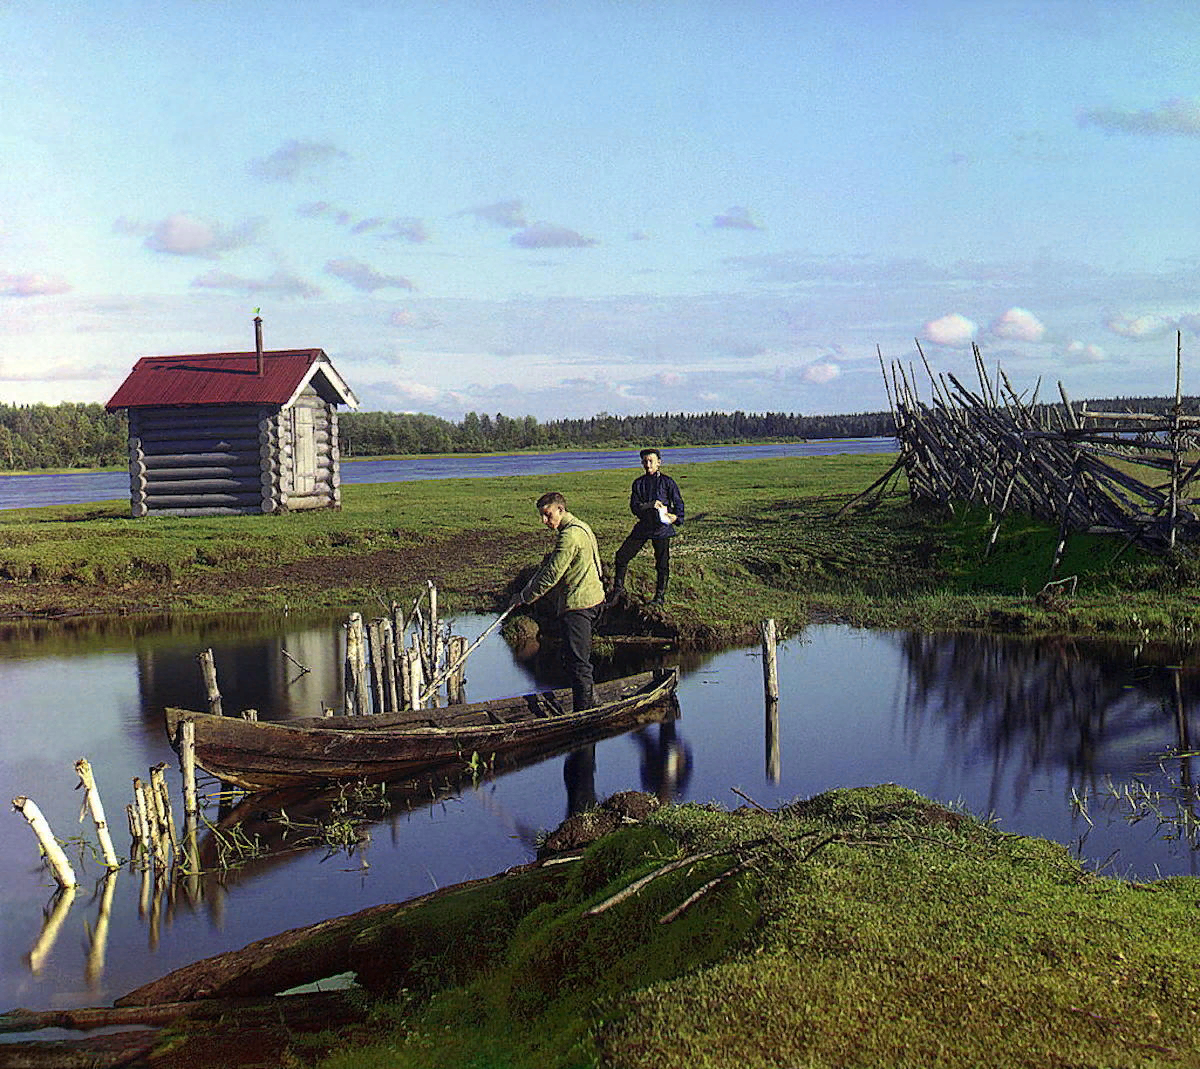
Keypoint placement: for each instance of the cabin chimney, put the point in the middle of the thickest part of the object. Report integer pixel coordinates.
(258, 345)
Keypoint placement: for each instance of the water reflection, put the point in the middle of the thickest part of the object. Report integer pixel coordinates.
(1091, 709)
(1006, 726)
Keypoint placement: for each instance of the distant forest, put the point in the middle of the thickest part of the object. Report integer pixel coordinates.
(85, 436)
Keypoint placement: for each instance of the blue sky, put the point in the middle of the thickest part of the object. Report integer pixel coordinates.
(566, 208)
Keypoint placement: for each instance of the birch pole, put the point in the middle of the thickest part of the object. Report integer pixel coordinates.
(59, 865)
(93, 805)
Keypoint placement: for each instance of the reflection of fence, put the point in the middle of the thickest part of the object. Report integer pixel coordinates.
(1128, 472)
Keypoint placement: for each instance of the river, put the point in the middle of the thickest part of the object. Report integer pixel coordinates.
(27, 491)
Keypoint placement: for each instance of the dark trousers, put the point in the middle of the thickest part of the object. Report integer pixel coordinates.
(662, 559)
(577, 627)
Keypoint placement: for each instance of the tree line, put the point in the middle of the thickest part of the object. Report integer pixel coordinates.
(77, 435)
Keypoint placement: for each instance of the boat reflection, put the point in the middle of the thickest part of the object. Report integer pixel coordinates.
(255, 832)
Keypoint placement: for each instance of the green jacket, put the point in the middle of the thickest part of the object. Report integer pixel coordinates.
(574, 562)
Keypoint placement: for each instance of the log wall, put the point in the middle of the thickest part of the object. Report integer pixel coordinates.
(231, 460)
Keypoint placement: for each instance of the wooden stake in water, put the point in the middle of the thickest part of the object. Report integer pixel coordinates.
(158, 779)
(93, 805)
(187, 766)
(456, 681)
(357, 697)
(208, 667)
(770, 660)
(416, 675)
(59, 865)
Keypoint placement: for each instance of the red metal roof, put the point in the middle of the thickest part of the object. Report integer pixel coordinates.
(225, 379)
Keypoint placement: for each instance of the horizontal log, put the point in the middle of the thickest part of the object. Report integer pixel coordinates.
(183, 446)
(157, 488)
(298, 503)
(214, 510)
(208, 471)
(215, 458)
(158, 501)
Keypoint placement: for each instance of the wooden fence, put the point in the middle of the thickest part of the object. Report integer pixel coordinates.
(1129, 473)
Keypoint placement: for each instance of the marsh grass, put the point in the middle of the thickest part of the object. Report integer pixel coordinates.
(870, 928)
(762, 538)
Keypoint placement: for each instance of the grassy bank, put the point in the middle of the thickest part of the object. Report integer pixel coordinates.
(762, 538)
(865, 927)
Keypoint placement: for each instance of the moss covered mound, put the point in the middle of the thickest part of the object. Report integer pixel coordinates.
(865, 927)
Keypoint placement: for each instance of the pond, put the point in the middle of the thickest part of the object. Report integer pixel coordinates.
(1083, 742)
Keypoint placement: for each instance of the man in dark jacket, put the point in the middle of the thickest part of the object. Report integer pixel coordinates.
(658, 505)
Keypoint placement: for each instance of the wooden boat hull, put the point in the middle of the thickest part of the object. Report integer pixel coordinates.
(258, 755)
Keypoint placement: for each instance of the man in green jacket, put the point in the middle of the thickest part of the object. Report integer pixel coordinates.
(573, 569)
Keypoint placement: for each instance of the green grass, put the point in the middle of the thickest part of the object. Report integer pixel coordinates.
(867, 927)
(763, 538)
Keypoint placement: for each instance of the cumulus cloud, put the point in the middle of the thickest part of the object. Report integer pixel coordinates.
(1017, 324)
(1143, 326)
(550, 236)
(1179, 117)
(182, 234)
(364, 277)
(735, 219)
(509, 214)
(292, 159)
(953, 329)
(280, 284)
(1077, 352)
(820, 372)
(32, 285)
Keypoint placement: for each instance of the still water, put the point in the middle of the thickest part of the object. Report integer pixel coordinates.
(1010, 728)
(29, 491)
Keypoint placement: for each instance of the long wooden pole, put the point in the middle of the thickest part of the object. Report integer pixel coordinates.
(437, 679)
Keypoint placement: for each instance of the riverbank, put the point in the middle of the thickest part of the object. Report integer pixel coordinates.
(866, 927)
(763, 538)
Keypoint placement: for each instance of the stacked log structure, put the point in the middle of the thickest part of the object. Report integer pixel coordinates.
(990, 447)
(232, 459)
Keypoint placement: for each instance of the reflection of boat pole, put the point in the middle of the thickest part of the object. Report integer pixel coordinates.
(63, 898)
(94, 969)
(771, 700)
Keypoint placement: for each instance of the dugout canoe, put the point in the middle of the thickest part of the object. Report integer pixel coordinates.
(259, 755)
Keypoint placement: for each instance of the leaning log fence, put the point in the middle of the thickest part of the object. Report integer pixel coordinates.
(986, 445)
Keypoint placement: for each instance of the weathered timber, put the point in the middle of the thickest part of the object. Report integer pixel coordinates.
(321, 750)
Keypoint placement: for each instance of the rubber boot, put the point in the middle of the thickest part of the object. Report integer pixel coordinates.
(660, 593)
(583, 696)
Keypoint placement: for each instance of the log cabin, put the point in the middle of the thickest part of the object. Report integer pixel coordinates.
(215, 434)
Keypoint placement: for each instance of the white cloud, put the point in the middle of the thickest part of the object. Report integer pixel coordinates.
(182, 234)
(550, 236)
(32, 285)
(1143, 326)
(1018, 324)
(821, 372)
(1179, 116)
(292, 159)
(1077, 352)
(280, 284)
(735, 219)
(953, 329)
(364, 277)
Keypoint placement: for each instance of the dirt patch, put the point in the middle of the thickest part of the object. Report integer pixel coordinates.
(626, 807)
